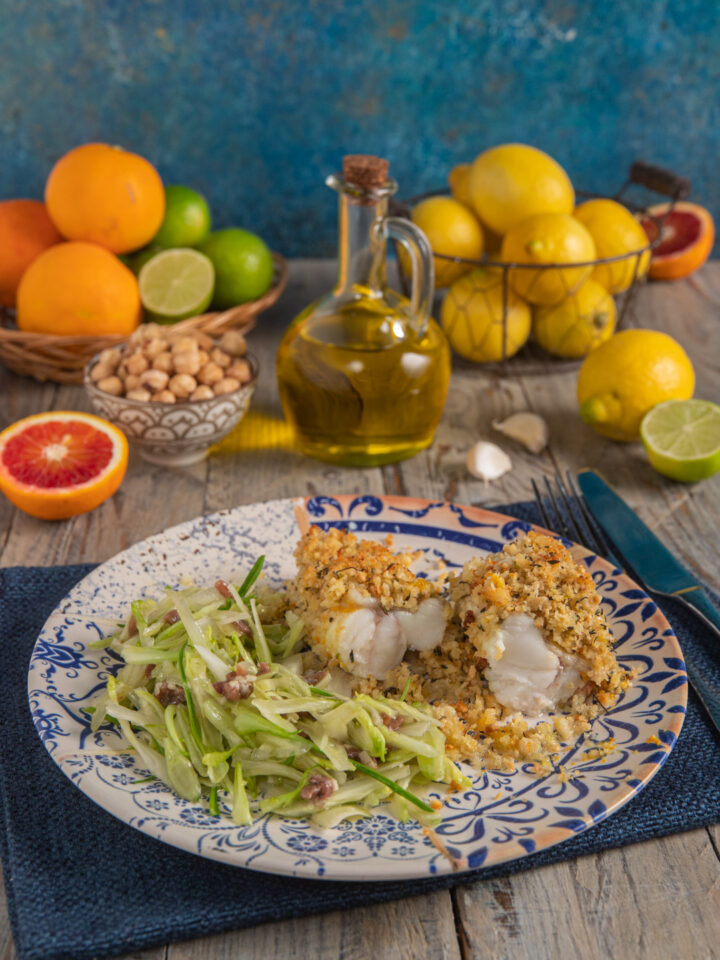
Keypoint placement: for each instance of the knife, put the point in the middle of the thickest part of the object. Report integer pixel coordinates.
(648, 556)
(661, 572)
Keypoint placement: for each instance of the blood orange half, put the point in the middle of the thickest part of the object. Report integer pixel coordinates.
(56, 465)
(687, 235)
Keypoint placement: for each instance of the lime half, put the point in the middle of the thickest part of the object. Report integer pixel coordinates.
(682, 439)
(176, 284)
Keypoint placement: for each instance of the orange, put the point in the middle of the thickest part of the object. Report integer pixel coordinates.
(78, 289)
(106, 195)
(25, 231)
(56, 465)
(687, 237)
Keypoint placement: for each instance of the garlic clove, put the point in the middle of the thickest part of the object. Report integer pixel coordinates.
(487, 461)
(527, 428)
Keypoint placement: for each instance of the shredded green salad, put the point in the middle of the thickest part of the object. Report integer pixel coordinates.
(212, 700)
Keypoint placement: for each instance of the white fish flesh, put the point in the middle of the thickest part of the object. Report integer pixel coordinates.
(370, 642)
(526, 673)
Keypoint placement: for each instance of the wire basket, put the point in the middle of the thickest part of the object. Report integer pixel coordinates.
(46, 356)
(532, 358)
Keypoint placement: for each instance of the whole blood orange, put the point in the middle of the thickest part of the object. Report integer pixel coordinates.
(78, 289)
(106, 195)
(56, 465)
(686, 240)
(25, 231)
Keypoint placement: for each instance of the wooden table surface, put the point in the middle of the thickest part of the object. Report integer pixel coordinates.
(656, 899)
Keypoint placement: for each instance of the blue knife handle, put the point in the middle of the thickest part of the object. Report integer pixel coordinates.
(708, 694)
(698, 600)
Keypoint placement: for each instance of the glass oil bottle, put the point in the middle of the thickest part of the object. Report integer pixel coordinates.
(363, 372)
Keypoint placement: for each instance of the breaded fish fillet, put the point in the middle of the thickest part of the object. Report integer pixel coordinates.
(362, 604)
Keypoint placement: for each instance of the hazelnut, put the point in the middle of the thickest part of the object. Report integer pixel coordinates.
(111, 385)
(203, 340)
(203, 392)
(164, 396)
(210, 373)
(184, 343)
(182, 385)
(154, 348)
(154, 379)
(186, 361)
(132, 382)
(138, 394)
(221, 358)
(241, 370)
(101, 371)
(233, 343)
(111, 357)
(137, 364)
(226, 385)
(164, 362)
(203, 356)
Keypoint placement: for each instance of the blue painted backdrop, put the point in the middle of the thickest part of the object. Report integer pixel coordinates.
(255, 101)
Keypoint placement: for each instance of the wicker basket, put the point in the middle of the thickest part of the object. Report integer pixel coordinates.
(62, 359)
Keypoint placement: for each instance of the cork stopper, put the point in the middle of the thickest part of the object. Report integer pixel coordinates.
(365, 171)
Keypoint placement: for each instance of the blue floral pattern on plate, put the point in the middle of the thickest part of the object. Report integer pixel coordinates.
(504, 816)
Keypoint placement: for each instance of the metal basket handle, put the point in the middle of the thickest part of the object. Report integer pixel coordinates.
(659, 180)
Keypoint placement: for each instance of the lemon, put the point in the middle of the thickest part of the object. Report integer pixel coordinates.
(512, 182)
(578, 324)
(682, 439)
(472, 317)
(628, 375)
(548, 238)
(459, 183)
(451, 229)
(615, 232)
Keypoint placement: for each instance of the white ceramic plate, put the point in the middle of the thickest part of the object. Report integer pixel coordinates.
(503, 817)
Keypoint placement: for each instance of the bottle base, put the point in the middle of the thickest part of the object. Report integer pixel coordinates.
(362, 455)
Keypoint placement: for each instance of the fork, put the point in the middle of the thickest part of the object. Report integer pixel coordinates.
(575, 522)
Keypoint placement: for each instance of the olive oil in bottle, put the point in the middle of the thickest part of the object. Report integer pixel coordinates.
(363, 372)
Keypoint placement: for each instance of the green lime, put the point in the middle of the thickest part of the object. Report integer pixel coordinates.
(682, 439)
(187, 219)
(243, 266)
(176, 284)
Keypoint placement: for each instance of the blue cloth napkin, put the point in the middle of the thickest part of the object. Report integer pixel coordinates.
(82, 885)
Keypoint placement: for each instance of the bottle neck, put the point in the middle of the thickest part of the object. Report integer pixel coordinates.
(361, 249)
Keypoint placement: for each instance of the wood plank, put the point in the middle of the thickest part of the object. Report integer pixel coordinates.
(659, 898)
(418, 928)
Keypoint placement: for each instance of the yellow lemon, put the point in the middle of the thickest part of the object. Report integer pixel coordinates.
(615, 231)
(459, 183)
(452, 230)
(512, 182)
(472, 317)
(548, 238)
(627, 376)
(578, 324)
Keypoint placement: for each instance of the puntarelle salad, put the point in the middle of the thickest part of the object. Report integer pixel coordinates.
(212, 700)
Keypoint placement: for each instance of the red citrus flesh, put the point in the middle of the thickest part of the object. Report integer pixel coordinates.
(56, 465)
(56, 454)
(687, 234)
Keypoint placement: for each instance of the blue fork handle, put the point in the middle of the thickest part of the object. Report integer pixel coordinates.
(698, 602)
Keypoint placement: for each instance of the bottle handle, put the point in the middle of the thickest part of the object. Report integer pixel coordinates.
(422, 283)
